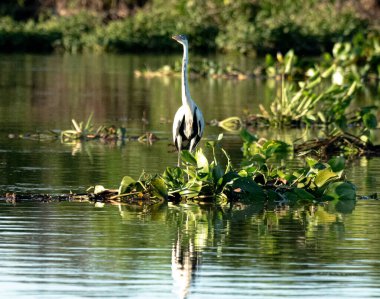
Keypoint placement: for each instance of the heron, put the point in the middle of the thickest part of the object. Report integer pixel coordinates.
(188, 124)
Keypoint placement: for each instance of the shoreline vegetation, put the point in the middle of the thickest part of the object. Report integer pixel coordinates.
(250, 27)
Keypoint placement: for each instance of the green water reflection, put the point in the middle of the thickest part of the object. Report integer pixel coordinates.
(74, 249)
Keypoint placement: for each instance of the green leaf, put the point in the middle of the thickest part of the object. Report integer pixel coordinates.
(311, 162)
(248, 137)
(228, 178)
(188, 157)
(250, 188)
(289, 57)
(370, 121)
(217, 173)
(340, 191)
(327, 73)
(202, 162)
(125, 183)
(337, 163)
(259, 158)
(172, 174)
(269, 60)
(303, 195)
(159, 188)
(323, 176)
(193, 188)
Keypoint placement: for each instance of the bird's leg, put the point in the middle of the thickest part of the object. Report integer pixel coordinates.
(179, 148)
(192, 141)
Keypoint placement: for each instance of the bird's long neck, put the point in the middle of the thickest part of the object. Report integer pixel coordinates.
(186, 98)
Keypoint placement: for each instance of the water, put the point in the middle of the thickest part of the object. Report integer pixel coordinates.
(77, 250)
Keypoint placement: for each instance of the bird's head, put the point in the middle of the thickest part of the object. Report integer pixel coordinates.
(181, 38)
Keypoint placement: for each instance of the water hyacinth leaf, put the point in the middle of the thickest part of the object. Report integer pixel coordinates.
(370, 121)
(193, 188)
(173, 176)
(188, 157)
(337, 163)
(248, 137)
(340, 191)
(217, 173)
(159, 188)
(311, 162)
(249, 188)
(275, 147)
(228, 178)
(126, 182)
(324, 176)
(202, 162)
(259, 158)
(291, 196)
(303, 195)
(273, 196)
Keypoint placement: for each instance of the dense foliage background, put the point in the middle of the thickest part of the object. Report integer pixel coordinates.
(247, 26)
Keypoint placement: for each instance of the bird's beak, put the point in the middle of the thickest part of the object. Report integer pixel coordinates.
(175, 37)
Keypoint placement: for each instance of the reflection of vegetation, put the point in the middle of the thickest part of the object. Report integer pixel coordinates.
(265, 233)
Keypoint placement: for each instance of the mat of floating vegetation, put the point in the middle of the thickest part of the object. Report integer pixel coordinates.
(107, 196)
(344, 143)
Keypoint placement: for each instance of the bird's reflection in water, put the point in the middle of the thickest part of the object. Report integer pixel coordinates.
(185, 262)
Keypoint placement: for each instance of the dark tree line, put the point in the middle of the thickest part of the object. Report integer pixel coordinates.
(25, 9)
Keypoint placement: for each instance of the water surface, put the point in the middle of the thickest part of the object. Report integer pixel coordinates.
(77, 250)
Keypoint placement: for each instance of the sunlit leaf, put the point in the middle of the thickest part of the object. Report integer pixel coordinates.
(193, 188)
(311, 161)
(125, 183)
(202, 162)
(159, 188)
(323, 176)
(188, 157)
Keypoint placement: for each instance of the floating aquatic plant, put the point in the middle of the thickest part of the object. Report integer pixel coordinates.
(213, 179)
